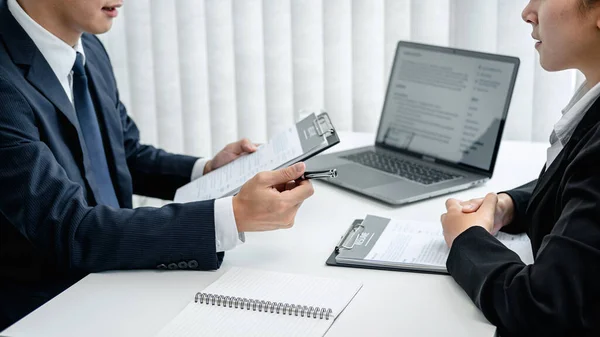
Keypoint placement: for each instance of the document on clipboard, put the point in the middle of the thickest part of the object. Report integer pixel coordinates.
(382, 243)
(310, 136)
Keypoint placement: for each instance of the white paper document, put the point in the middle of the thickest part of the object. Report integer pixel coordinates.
(422, 243)
(281, 149)
(212, 320)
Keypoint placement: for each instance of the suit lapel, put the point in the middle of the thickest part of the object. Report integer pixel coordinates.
(38, 73)
(590, 119)
(547, 175)
(42, 77)
(25, 54)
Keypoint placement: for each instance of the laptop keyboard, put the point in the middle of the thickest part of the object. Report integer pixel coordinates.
(404, 168)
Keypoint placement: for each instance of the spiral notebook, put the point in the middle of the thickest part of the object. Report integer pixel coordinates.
(248, 302)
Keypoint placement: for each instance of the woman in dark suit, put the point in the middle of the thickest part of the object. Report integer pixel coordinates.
(559, 294)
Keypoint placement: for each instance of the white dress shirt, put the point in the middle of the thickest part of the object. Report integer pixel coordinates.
(61, 58)
(571, 116)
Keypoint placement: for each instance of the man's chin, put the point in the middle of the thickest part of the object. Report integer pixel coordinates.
(100, 28)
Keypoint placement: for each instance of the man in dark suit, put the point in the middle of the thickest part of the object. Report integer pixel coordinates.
(70, 160)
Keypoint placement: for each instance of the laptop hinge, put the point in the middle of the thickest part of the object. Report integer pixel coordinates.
(428, 158)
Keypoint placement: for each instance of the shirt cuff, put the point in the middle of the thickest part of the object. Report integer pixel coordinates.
(198, 169)
(226, 233)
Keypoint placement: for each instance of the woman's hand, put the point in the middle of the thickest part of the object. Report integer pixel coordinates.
(455, 221)
(505, 209)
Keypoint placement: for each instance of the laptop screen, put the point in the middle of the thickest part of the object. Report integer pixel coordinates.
(447, 103)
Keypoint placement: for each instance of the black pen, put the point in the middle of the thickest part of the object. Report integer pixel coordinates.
(325, 174)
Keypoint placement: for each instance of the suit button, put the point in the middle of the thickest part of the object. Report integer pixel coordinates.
(161, 266)
(182, 265)
(193, 264)
(172, 266)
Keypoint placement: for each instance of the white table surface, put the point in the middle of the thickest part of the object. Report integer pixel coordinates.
(140, 303)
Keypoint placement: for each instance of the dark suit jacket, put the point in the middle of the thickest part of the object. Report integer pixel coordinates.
(558, 295)
(51, 230)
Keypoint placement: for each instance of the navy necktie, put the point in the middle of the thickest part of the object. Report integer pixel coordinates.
(86, 114)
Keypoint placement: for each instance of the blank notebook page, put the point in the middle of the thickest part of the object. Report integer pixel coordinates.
(211, 320)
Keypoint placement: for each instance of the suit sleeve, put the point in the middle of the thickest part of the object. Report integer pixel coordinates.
(46, 207)
(520, 197)
(558, 294)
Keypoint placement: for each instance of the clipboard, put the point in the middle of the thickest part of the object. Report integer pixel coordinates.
(415, 246)
(348, 242)
(317, 134)
(309, 137)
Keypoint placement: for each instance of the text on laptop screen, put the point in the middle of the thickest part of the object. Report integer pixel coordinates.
(445, 105)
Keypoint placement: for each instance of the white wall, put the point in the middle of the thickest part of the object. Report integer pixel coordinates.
(197, 74)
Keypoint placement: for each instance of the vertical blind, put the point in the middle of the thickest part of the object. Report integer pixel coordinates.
(198, 74)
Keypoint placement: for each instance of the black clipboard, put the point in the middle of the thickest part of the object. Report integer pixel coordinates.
(331, 260)
(316, 134)
(314, 129)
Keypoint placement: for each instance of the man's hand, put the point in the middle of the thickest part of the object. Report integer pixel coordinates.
(270, 200)
(455, 221)
(230, 153)
(504, 210)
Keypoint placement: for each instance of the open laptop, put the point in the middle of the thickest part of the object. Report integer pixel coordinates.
(440, 128)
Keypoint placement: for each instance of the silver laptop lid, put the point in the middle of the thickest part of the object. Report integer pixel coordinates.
(447, 105)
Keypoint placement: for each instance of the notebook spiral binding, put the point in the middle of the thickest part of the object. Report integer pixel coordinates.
(263, 306)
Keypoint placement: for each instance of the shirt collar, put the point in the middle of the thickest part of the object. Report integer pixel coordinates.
(575, 110)
(579, 93)
(59, 55)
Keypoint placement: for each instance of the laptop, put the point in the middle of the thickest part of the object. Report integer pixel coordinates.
(440, 128)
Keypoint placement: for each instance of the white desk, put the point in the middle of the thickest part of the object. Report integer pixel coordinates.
(139, 303)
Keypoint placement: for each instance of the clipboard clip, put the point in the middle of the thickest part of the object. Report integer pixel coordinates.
(349, 238)
(323, 125)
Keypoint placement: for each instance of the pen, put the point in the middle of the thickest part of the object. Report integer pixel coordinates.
(325, 174)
